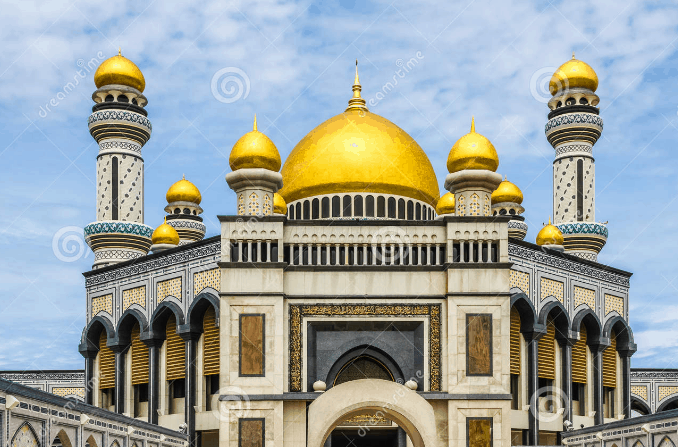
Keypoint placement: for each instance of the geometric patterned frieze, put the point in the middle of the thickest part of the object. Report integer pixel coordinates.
(560, 263)
(584, 296)
(136, 295)
(639, 390)
(206, 278)
(665, 391)
(102, 303)
(614, 303)
(169, 287)
(550, 287)
(69, 391)
(520, 280)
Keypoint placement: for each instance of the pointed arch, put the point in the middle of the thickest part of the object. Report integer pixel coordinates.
(365, 351)
(639, 406)
(160, 316)
(558, 314)
(91, 442)
(92, 332)
(125, 324)
(621, 329)
(594, 330)
(63, 438)
(199, 306)
(666, 442)
(638, 443)
(25, 435)
(669, 404)
(528, 315)
(115, 444)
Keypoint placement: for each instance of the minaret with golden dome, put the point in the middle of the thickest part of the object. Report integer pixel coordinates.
(472, 163)
(573, 128)
(255, 162)
(183, 211)
(507, 200)
(120, 126)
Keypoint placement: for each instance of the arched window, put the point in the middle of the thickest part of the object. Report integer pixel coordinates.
(410, 210)
(307, 209)
(298, 210)
(336, 206)
(358, 206)
(369, 206)
(347, 206)
(175, 370)
(391, 208)
(401, 209)
(381, 207)
(123, 98)
(325, 206)
(418, 209)
(109, 98)
(106, 373)
(291, 212)
(362, 367)
(139, 372)
(315, 209)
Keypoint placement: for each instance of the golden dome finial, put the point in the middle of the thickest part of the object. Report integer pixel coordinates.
(472, 151)
(507, 192)
(254, 150)
(356, 102)
(183, 191)
(473, 124)
(165, 234)
(254, 127)
(550, 235)
(572, 54)
(119, 70)
(573, 74)
(119, 51)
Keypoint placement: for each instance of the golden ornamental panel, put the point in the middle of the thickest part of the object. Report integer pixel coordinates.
(170, 287)
(298, 312)
(206, 278)
(134, 296)
(614, 303)
(584, 296)
(102, 303)
(666, 391)
(68, 391)
(549, 287)
(520, 280)
(366, 420)
(639, 390)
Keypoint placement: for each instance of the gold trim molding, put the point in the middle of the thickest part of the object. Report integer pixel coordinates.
(298, 312)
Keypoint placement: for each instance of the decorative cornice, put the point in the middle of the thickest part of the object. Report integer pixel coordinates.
(118, 227)
(155, 263)
(132, 117)
(654, 375)
(574, 118)
(583, 228)
(22, 376)
(537, 255)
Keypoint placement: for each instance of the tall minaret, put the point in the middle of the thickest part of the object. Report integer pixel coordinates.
(119, 124)
(572, 129)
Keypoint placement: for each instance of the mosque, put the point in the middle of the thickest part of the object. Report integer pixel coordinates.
(347, 302)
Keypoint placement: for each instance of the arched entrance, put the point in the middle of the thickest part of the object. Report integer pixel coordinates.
(394, 401)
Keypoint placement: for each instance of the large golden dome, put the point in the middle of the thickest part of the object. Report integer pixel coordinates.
(119, 70)
(279, 205)
(572, 74)
(165, 234)
(358, 151)
(183, 191)
(472, 151)
(254, 150)
(550, 235)
(446, 204)
(507, 192)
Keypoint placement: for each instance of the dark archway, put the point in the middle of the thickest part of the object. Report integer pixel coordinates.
(370, 356)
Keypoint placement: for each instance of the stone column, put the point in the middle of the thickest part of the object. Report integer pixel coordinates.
(89, 379)
(566, 372)
(153, 379)
(119, 397)
(597, 363)
(191, 339)
(625, 354)
(532, 344)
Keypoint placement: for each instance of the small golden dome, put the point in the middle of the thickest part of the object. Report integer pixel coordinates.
(550, 235)
(446, 204)
(119, 70)
(507, 192)
(279, 205)
(358, 151)
(472, 151)
(255, 150)
(165, 234)
(572, 74)
(183, 191)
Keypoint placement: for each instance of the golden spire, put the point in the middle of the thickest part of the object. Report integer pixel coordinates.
(119, 51)
(356, 102)
(473, 124)
(255, 122)
(572, 54)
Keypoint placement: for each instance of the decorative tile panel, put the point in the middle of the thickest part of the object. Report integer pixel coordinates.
(550, 287)
(134, 296)
(666, 391)
(520, 280)
(102, 303)
(614, 303)
(206, 278)
(253, 206)
(267, 205)
(69, 391)
(169, 287)
(584, 296)
(461, 207)
(639, 390)
(474, 206)
(241, 205)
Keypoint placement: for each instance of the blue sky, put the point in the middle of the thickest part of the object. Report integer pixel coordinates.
(491, 59)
